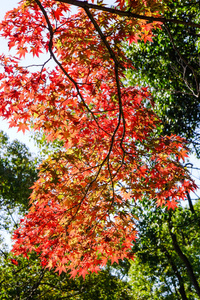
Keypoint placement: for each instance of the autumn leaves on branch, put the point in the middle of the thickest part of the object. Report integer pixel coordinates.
(112, 154)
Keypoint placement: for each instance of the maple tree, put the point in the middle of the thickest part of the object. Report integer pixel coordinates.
(112, 154)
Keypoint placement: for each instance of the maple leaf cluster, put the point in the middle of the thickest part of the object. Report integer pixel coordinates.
(81, 204)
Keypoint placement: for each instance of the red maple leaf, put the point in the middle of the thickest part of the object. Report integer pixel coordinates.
(14, 261)
(171, 204)
(22, 52)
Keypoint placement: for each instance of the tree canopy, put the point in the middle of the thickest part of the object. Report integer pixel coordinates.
(17, 173)
(170, 67)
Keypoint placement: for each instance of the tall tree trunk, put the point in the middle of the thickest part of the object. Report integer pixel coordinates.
(183, 257)
(177, 274)
(190, 202)
(192, 207)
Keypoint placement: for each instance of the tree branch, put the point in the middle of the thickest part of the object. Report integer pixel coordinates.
(183, 257)
(103, 38)
(60, 65)
(85, 5)
(177, 274)
(186, 64)
(117, 65)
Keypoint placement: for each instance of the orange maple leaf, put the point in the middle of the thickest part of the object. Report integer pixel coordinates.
(22, 51)
(23, 127)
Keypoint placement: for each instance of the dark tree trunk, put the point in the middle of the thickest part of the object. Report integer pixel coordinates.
(177, 274)
(183, 257)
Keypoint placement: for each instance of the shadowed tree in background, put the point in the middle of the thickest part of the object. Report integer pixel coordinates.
(170, 67)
